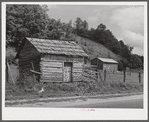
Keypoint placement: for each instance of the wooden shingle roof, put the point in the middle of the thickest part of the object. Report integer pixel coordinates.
(47, 46)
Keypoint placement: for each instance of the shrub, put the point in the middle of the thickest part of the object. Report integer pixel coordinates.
(10, 55)
(65, 87)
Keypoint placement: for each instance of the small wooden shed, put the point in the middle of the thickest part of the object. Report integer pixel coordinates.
(50, 60)
(105, 64)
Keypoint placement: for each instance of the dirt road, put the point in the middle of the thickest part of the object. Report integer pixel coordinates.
(128, 102)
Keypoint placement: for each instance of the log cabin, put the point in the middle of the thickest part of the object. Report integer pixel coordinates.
(50, 60)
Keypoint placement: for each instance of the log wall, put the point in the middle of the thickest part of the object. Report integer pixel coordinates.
(27, 55)
(52, 68)
(77, 71)
(51, 71)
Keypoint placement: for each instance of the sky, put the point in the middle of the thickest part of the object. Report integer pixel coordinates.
(125, 21)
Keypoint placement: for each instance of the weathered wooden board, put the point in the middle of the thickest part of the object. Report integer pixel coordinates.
(52, 76)
(48, 72)
(53, 57)
(77, 78)
(78, 59)
(51, 69)
(86, 79)
(47, 80)
(77, 70)
(77, 64)
(47, 65)
(52, 73)
(61, 58)
(77, 74)
(51, 64)
(86, 74)
(53, 79)
(47, 60)
(90, 71)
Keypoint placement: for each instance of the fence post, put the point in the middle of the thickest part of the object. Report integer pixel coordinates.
(98, 76)
(7, 74)
(124, 76)
(10, 73)
(139, 77)
(105, 75)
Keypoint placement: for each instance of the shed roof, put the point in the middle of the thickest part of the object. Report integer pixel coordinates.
(107, 60)
(57, 47)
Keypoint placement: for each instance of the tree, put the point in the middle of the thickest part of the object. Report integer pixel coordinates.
(135, 61)
(32, 21)
(78, 25)
(24, 20)
(101, 27)
(85, 25)
(68, 29)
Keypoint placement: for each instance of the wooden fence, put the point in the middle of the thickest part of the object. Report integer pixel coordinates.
(93, 74)
(131, 77)
(90, 73)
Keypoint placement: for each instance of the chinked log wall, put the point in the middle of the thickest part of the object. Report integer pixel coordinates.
(77, 71)
(52, 68)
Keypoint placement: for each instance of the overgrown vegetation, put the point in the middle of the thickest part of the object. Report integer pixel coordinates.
(73, 89)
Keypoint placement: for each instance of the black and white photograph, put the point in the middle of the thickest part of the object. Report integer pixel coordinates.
(74, 61)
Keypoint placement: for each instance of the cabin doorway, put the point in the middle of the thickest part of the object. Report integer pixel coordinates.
(67, 71)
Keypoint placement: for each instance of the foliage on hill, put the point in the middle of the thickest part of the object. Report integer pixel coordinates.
(33, 21)
(105, 37)
(95, 49)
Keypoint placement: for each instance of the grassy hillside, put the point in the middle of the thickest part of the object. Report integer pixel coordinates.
(94, 49)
